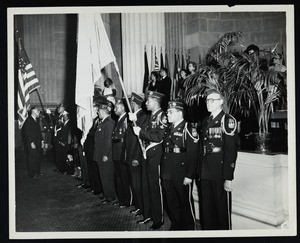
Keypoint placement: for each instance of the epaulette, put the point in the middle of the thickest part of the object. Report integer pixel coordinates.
(228, 124)
(163, 122)
(191, 131)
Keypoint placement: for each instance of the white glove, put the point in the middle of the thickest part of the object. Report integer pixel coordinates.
(70, 157)
(187, 181)
(136, 130)
(228, 186)
(132, 116)
(48, 111)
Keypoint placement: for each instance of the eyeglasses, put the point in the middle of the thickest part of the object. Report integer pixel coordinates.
(211, 100)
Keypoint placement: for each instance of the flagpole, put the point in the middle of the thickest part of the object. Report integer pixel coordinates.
(129, 107)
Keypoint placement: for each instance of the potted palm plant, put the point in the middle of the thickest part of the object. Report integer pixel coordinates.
(248, 80)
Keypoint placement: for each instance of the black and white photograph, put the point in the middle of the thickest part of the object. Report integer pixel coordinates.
(151, 122)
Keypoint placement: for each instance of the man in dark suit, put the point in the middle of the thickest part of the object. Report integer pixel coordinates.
(65, 142)
(164, 87)
(217, 164)
(33, 142)
(94, 176)
(134, 153)
(152, 136)
(103, 151)
(179, 162)
(58, 123)
(121, 173)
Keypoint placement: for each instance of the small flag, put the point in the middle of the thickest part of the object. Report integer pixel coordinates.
(27, 83)
(182, 62)
(146, 75)
(161, 59)
(156, 65)
(188, 59)
(166, 62)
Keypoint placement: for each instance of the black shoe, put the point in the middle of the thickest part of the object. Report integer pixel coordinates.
(105, 202)
(135, 211)
(101, 195)
(34, 176)
(144, 221)
(95, 193)
(90, 190)
(56, 170)
(116, 203)
(123, 205)
(41, 173)
(139, 214)
(157, 225)
(86, 186)
(80, 185)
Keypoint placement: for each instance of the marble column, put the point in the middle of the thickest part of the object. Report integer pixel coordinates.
(140, 30)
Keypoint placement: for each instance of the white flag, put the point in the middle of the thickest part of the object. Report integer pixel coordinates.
(94, 52)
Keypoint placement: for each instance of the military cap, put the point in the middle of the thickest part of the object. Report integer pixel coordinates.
(137, 98)
(108, 105)
(177, 104)
(155, 94)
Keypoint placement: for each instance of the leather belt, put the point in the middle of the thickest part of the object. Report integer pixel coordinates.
(120, 140)
(212, 150)
(174, 150)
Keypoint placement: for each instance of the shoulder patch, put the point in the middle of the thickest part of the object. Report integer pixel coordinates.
(229, 124)
(192, 132)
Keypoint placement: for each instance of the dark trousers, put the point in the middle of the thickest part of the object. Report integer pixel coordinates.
(136, 182)
(34, 161)
(180, 205)
(62, 157)
(214, 209)
(106, 171)
(94, 175)
(84, 169)
(122, 183)
(151, 183)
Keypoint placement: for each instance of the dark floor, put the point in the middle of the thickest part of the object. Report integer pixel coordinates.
(53, 203)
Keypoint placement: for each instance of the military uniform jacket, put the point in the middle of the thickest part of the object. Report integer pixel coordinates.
(155, 129)
(89, 141)
(103, 140)
(219, 147)
(32, 133)
(180, 146)
(133, 149)
(118, 138)
(66, 137)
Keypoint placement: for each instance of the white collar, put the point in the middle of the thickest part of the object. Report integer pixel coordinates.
(155, 112)
(137, 111)
(177, 123)
(120, 117)
(215, 114)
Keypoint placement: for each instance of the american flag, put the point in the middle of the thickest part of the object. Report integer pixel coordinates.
(27, 83)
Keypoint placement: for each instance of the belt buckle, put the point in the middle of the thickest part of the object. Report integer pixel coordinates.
(176, 150)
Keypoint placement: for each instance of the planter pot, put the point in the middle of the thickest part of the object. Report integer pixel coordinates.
(262, 142)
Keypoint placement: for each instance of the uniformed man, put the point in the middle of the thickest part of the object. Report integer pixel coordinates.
(56, 136)
(96, 186)
(103, 151)
(121, 173)
(134, 153)
(217, 164)
(179, 162)
(152, 136)
(65, 142)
